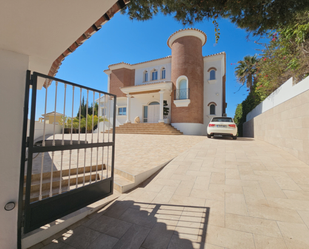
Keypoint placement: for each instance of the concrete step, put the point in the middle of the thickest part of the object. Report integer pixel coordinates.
(146, 128)
(66, 172)
(122, 184)
(65, 181)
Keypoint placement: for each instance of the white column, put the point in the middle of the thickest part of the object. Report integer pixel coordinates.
(13, 67)
(128, 108)
(161, 120)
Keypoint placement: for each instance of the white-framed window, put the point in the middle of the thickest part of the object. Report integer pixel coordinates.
(145, 76)
(212, 109)
(212, 75)
(103, 112)
(122, 111)
(182, 89)
(163, 73)
(154, 75)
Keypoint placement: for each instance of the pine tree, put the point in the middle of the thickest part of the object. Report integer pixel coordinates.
(255, 16)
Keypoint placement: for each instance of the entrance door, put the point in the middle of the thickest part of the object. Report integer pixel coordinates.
(153, 112)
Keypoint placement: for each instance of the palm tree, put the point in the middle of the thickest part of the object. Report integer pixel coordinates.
(246, 69)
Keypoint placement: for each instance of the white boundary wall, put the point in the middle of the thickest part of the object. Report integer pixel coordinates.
(49, 129)
(285, 92)
(190, 128)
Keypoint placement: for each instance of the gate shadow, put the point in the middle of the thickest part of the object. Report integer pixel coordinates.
(129, 224)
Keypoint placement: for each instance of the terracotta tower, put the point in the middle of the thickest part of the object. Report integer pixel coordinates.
(187, 68)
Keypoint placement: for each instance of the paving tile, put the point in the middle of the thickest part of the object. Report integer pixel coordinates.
(104, 241)
(229, 238)
(232, 174)
(217, 178)
(178, 243)
(56, 245)
(272, 213)
(110, 226)
(289, 204)
(286, 182)
(305, 216)
(81, 237)
(235, 204)
(252, 225)
(184, 200)
(264, 242)
(118, 208)
(184, 188)
(226, 188)
(139, 217)
(158, 237)
(271, 189)
(297, 195)
(133, 239)
(296, 236)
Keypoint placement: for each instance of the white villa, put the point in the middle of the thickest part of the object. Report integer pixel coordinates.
(192, 86)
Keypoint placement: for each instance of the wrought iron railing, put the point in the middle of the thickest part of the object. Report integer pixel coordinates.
(182, 94)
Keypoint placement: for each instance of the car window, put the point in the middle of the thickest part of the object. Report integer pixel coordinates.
(228, 120)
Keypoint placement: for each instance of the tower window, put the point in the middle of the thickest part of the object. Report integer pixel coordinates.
(212, 108)
(145, 76)
(212, 75)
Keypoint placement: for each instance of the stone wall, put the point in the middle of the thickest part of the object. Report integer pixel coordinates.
(285, 125)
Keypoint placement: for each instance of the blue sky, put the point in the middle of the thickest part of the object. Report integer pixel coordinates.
(121, 39)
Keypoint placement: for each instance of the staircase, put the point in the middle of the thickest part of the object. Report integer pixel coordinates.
(122, 181)
(76, 178)
(147, 128)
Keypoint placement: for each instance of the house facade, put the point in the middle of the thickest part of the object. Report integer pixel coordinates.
(185, 89)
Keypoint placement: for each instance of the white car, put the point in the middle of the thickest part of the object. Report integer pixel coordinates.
(223, 126)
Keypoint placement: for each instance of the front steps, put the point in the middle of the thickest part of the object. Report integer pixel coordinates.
(76, 178)
(147, 128)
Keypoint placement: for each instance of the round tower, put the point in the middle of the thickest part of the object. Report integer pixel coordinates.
(187, 72)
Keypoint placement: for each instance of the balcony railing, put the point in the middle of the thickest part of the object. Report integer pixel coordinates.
(182, 94)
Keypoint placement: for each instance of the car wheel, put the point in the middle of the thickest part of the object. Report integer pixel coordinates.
(209, 136)
(235, 137)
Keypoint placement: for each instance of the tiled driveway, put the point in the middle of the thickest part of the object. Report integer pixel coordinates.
(220, 193)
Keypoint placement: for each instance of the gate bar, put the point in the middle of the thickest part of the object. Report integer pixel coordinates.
(30, 148)
(23, 159)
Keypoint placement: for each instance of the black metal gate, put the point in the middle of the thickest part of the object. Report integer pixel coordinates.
(68, 153)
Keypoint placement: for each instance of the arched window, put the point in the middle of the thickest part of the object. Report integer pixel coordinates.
(182, 91)
(145, 76)
(154, 74)
(212, 108)
(163, 73)
(212, 75)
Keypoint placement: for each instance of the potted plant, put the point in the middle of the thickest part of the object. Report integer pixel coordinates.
(166, 111)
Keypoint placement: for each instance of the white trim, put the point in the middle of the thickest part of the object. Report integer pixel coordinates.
(189, 32)
(179, 79)
(182, 102)
(212, 81)
(148, 87)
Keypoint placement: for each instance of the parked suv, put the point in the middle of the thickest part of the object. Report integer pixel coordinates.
(223, 126)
